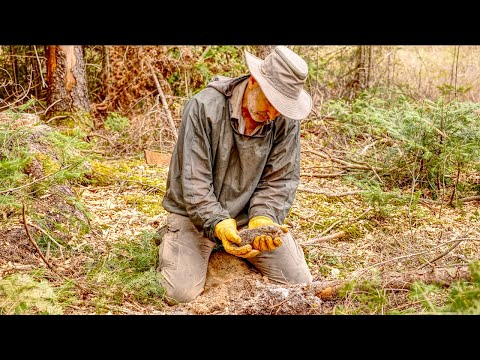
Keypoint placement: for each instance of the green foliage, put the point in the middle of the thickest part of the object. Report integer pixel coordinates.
(23, 294)
(129, 270)
(427, 140)
(368, 297)
(447, 89)
(15, 113)
(382, 201)
(220, 60)
(463, 298)
(116, 122)
(13, 160)
(94, 56)
(21, 147)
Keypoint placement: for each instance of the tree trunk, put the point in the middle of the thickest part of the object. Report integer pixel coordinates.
(66, 80)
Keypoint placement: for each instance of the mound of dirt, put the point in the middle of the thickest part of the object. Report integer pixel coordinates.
(234, 287)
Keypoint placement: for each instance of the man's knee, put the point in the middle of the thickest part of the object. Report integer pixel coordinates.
(302, 276)
(177, 294)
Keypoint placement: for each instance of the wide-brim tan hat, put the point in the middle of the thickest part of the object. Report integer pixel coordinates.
(281, 76)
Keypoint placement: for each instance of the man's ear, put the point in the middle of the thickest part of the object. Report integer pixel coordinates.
(252, 80)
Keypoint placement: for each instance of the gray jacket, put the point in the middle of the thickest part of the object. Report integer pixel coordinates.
(217, 173)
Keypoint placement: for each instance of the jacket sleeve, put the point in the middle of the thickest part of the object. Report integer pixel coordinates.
(200, 200)
(275, 192)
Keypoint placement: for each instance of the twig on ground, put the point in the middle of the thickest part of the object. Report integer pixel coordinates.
(320, 175)
(430, 262)
(323, 238)
(48, 235)
(469, 198)
(414, 254)
(16, 267)
(329, 194)
(104, 138)
(50, 266)
(341, 220)
(35, 244)
(359, 166)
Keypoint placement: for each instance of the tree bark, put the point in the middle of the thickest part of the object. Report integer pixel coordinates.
(66, 80)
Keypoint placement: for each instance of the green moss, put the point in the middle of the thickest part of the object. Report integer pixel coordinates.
(150, 205)
(69, 120)
(49, 165)
(129, 172)
(354, 230)
(102, 174)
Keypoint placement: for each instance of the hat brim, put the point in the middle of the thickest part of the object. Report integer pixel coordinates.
(296, 109)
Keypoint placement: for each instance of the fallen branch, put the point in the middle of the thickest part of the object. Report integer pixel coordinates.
(319, 175)
(34, 243)
(359, 166)
(50, 266)
(469, 198)
(48, 235)
(329, 194)
(15, 267)
(327, 290)
(436, 202)
(341, 220)
(323, 238)
(318, 153)
(104, 138)
(414, 254)
(430, 262)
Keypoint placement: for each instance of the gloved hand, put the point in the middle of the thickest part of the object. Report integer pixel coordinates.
(265, 242)
(226, 231)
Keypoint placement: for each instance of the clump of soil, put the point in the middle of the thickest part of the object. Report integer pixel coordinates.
(248, 235)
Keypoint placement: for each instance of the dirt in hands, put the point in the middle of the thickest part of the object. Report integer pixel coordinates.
(248, 235)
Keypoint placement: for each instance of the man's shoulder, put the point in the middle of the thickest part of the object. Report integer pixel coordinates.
(209, 96)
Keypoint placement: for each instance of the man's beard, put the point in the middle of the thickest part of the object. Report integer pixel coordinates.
(258, 116)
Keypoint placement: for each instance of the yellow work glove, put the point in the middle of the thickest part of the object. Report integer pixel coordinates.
(226, 231)
(265, 242)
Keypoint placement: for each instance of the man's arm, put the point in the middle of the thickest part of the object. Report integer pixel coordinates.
(276, 190)
(200, 200)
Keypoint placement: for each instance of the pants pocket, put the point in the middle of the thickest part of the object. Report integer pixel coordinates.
(168, 251)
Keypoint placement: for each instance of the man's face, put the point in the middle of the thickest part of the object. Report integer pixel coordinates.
(258, 106)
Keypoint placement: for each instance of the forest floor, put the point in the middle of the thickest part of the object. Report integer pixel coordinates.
(370, 242)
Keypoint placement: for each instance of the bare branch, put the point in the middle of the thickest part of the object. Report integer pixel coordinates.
(50, 266)
(323, 238)
(329, 194)
(320, 175)
(164, 101)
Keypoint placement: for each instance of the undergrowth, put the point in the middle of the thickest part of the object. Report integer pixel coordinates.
(127, 271)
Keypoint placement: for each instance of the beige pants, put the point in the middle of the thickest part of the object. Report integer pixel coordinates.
(184, 254)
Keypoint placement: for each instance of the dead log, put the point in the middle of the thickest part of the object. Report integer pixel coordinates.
(327, 290)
